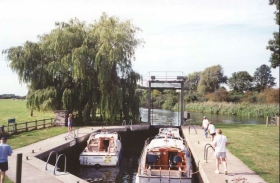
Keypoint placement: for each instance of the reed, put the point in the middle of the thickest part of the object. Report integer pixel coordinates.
(240, 109)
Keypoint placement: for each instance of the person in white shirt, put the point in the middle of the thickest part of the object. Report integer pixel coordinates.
(205, 124)
(212, 130)
(220, 143)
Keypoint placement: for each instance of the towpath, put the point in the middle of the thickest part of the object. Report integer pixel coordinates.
(238, 172)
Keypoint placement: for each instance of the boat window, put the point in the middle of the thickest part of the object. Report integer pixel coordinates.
(105, 144)
(151, 158)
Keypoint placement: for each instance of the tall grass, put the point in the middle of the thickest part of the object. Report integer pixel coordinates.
(240, 109)
(17, 109)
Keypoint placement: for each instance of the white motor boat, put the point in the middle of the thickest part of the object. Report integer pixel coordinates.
(165, 158)
(103, 149)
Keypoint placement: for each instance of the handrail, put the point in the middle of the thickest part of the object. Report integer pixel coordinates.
(190, 125)
(206, 150)
(57, 162)
(49, 158)
(186, 174)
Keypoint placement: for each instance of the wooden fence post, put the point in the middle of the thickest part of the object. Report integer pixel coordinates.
(26, 129)
(266, 121)
(36, 125)
(44, 123)
(277, 121)
(15, 128)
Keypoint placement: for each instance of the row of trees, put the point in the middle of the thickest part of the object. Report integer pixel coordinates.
(211, 84)
(80, 67)
(212, 78)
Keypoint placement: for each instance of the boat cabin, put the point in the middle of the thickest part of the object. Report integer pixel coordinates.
(102, 144)
(165, 158)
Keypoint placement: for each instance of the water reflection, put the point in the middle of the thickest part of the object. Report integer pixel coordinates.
(159, 116)
(92, 174)
(167, 117)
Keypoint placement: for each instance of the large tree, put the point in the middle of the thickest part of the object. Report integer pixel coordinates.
(192, 80)
(80, 67)
(274, 44)
(240, 81)
(211, 79)
(263, 78)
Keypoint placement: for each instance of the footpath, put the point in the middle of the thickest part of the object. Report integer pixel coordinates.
(238, 172)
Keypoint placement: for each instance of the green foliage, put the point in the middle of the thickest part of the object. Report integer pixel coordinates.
(263, 78)
(274, 44)
(76, 66)
(241, 109)
(240, 81)
(250, 97)
(220, 95)
(211, 79)
(192, 81)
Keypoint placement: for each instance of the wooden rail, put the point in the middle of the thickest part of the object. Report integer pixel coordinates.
(273, 120)
(27, 126)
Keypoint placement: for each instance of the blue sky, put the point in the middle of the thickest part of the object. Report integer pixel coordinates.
(179, 35)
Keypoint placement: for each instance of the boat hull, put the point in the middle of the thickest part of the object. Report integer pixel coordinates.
(99, 160)
(157, 179)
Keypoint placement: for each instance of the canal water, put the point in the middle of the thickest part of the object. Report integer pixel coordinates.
(159, 116)
(133, 142)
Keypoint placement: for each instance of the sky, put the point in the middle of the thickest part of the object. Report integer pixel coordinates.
(185, 36)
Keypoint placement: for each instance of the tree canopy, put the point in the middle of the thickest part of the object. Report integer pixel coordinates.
(274, 44)
(240, 81)
(263, 78)
(80, 67)
(211, 79)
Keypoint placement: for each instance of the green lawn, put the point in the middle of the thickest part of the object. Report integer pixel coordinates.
(257, 146)
(17, 109)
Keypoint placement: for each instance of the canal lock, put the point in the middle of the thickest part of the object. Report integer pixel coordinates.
(132, 145)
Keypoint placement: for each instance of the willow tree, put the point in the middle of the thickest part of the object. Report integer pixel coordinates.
(211, 79)
(77, 67)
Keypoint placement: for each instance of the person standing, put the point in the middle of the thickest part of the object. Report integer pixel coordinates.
(220, 143)
(5, 151)
(70, 124)
(212, 130)
(205, 124)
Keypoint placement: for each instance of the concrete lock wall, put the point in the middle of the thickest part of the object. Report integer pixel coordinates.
(60, 117)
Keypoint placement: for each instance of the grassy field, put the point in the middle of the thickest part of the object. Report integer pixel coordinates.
(256, 145)
(17, 109)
